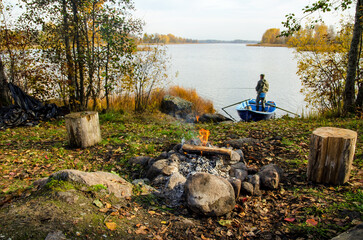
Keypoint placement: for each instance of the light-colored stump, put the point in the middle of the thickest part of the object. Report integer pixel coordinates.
(83, 129)
(331, 155)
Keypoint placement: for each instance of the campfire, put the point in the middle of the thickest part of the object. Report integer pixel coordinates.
(203, 136)
(172, 173)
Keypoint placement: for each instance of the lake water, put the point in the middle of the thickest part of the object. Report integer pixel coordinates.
(228, 73)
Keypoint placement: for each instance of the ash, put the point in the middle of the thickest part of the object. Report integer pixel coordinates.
(213, 165)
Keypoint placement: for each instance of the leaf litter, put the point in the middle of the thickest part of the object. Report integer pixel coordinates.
(297, 209)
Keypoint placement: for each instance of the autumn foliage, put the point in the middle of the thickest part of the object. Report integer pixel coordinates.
(272, 36)
(322, 65)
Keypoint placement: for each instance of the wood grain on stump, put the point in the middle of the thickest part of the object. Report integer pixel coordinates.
(331, 155)
(83, 129)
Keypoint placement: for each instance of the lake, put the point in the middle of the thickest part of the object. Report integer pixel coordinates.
(228, 73)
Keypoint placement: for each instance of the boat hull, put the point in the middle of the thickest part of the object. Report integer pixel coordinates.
(248, 111)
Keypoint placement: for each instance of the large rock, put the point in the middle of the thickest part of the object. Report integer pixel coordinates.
(270, 176)
(164, 166)
(115, 184)
(213, 118)
(140, 160)
(351, 234)
(209, 195)
(176, 106)
(239, 170)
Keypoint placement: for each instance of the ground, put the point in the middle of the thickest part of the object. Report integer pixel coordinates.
(298, 209)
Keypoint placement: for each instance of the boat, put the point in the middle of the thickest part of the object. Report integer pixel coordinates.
(248, 112)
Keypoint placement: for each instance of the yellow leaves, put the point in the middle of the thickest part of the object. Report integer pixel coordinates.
(111, 226)
(270, 36)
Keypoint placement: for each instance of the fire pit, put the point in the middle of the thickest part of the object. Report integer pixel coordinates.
(206, 178)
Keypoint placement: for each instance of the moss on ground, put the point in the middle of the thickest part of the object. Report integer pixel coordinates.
(31, 153)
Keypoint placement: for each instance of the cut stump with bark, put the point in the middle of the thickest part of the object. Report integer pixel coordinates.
(83, 129)
(331, 155)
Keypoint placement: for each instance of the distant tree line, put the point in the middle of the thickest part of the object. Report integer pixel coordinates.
(166, 39)
(272, 36)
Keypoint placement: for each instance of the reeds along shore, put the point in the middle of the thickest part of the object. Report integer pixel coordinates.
(266, 45)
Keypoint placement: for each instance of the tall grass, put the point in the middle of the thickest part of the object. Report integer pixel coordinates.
(126, 102)
(201, 105)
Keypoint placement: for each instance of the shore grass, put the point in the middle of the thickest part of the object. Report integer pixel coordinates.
(30, 153)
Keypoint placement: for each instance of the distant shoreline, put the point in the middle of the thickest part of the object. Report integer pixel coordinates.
(266, 45)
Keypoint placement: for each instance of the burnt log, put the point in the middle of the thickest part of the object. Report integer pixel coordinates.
(331, 155)
(202, 150)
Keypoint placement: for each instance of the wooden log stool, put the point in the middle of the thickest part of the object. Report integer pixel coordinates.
(331, 155)
(83, 129)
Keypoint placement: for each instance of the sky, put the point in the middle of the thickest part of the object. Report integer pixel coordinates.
(219, 19)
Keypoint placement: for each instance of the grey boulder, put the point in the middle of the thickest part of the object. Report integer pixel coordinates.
(209, 195)
(114, 184)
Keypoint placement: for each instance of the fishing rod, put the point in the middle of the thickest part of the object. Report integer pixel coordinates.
(283, 109)
(238, 88)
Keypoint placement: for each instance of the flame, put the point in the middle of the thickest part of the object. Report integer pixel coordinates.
(197, 117)
(203, 136)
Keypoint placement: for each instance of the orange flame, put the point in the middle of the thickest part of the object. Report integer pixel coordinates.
(203, 136)
(197, 117)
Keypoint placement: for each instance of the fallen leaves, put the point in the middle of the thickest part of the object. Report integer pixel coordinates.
(225, 223)
(289, 219)
(111, 225)
(311, 222)
(142, 229)
(98, 203)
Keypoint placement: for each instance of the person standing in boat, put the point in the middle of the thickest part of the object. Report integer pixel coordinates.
(261, 89)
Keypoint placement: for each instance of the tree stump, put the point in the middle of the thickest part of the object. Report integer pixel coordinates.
(331, 155)
(83, 129)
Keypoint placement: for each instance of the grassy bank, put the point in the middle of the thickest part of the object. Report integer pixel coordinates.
(30, 153)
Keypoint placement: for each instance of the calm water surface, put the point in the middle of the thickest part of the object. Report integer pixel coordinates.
(228, 73)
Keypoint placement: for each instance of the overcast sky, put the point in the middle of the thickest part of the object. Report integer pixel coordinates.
(218, 19)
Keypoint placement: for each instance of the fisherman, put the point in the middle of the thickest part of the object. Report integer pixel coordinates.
(261, 89)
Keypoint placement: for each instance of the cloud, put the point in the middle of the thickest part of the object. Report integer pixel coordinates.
(216, 19)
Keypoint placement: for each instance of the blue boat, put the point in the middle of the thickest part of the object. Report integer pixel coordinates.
(248, 112)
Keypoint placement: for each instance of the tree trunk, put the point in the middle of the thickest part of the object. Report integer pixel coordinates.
(107, 92)
(70, 65)
(349, 91)
(5, 99)
(83, 129)
(331, 155)
(359, 101)
(80, 55)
